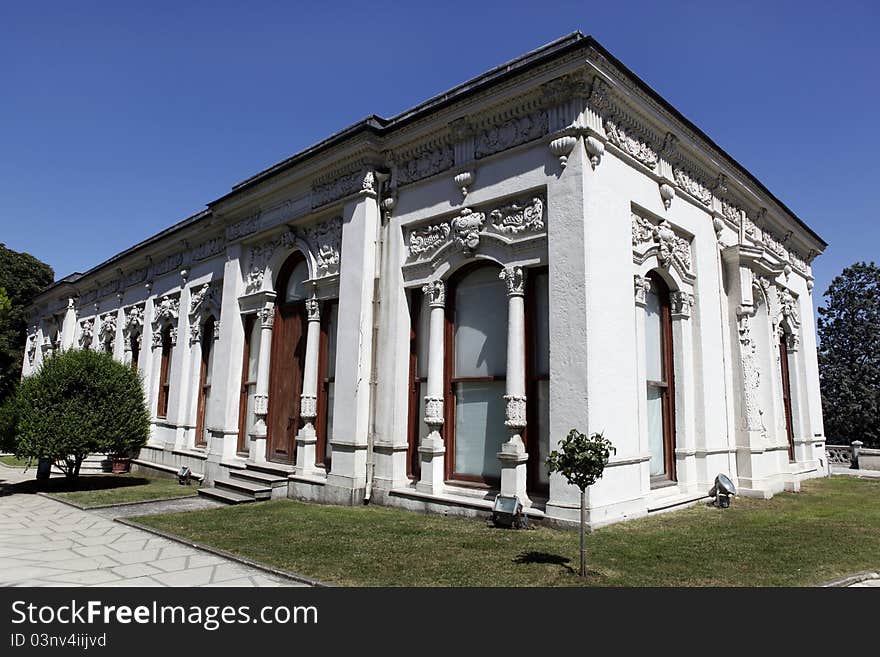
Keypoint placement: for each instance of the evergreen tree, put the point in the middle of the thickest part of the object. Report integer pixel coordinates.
(21, 277)
(849, 356)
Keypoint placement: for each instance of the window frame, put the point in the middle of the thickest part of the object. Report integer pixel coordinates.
(246, 382)
(206, 345)
(667, 387)
(164, 374)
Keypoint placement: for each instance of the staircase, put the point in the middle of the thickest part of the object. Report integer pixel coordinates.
(253, 484)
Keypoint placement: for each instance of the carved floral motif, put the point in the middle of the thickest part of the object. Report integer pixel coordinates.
(435, 292)
(325, 241)
(422, 240)
(466, 229)
(631, 140)
(670, 247)
(434, 411)
(516, 218)
(425, 163)
(681, 303)
(508, 133)
(515, 411)
(693, 186)
(515, 277)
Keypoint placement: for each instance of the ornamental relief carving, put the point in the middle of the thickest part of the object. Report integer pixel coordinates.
(513, 219)
(205, 298)
(425, 163)
(515, 411)
(632, 140)
(32, 348)
(86, 332)
(107, 334)
(324, 192)
(515, 277)
(681, 303)
(693, 186)
(753, 414)
(434, 411)
(507, 133)
(325, 242)
(671, 249)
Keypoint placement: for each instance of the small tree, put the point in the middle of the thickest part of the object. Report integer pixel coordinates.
(581, 460)
(80, 402)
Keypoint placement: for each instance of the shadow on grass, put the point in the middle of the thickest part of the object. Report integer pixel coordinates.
(544, 558)
(61, 485)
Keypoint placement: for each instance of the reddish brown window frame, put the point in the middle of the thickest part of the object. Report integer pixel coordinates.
(667, 386)
(245, 383)
(449, 384)
(531, 438)
(324, 381)
(413, 462)
(164, 374)
(786, 394)
(207, 344)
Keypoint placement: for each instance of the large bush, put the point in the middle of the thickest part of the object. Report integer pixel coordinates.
(80, 402)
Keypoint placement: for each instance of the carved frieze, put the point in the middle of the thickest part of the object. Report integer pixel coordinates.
(425, 162)
(209, 248)
(693, 186)
(344, 185)
(506, 133)
(168, 263)
(429, 238)
(243, 227)
(632, 139)
(516, 217)
(135, 276)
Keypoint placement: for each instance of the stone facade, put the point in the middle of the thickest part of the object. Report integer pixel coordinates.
(560, 167)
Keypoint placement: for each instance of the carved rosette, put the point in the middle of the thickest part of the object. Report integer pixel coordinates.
(435, 292)
(642, 286)
(466, 229)
(313, 310)
(681, 303)
(515, 277)
(516, 218)
(434, 411)
(308, 407)
(515, 411)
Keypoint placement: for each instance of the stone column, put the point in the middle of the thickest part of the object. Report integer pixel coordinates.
(307, 439)
(432, 450)
(513, 454)
(261, 398)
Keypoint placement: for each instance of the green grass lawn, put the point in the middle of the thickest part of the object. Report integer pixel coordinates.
(95, 490)
(831, 529)
(15, 462)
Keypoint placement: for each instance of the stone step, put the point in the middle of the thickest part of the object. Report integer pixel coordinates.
(274, 469)
(226, 495)
(257, 491)
(257, 477)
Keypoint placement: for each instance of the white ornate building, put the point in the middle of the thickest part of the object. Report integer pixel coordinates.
(417, 309)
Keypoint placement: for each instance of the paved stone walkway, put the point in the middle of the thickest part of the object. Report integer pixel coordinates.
(870, 583)
(47, 543)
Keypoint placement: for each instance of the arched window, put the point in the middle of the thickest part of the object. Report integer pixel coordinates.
(207, 365)
(164, 373)
(476, 354)
(660, 381)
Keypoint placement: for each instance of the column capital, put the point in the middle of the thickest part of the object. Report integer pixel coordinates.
(515, 277)
(435, 291)
(267, 316)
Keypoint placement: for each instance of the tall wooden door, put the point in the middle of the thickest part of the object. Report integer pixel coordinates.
(786, 395)
(285, 381)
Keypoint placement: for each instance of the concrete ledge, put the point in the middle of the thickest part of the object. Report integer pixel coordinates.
(279, 572)
(168, 469)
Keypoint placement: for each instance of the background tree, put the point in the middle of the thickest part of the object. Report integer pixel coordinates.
(849, 356)
(581, 460)
(80, 402)
(22, 277)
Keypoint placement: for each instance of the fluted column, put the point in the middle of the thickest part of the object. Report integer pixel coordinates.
(307, 439)
(266, 317)
(513, 454)
(432, 449)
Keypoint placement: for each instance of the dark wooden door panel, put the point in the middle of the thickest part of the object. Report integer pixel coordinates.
(285, 381)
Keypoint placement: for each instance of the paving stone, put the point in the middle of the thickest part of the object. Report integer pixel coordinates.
(188, 577)
(135, 570)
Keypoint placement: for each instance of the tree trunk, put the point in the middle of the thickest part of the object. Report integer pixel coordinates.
(583, 533)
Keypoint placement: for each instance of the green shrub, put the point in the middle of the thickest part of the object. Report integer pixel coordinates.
(8, 421)
(80, 402)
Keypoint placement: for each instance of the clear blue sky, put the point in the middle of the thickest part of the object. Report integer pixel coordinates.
(118, 119)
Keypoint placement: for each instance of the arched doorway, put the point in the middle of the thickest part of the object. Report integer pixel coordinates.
(287, 360)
